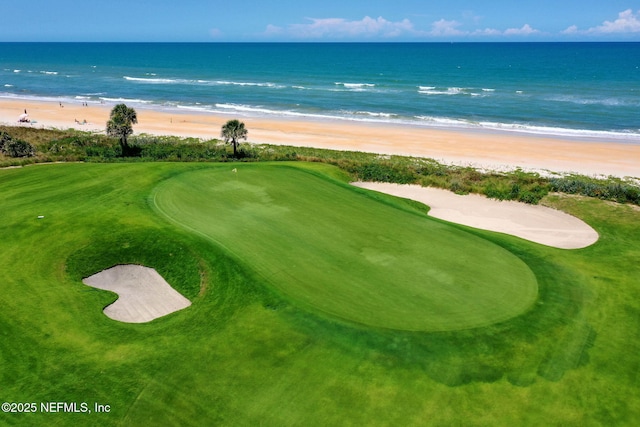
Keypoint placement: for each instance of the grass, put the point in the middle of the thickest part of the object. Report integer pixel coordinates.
(345, 254)
(250, 351)
(51, 145)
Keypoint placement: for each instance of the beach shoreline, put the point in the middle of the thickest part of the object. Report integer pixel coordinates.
(481, 149)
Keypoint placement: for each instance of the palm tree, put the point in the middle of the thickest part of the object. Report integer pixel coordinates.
(232, 131)
(120, 124)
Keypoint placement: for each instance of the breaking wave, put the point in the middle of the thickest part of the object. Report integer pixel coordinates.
(168, 81)
(433, 90)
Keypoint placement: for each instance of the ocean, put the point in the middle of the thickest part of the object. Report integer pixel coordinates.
(585, 90)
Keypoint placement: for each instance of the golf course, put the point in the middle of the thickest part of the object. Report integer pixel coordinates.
(313, 302)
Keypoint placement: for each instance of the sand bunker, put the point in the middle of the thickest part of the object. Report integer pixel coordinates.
(143, 294)
(538, 224)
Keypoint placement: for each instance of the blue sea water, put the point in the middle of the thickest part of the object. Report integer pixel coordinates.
(569, 89)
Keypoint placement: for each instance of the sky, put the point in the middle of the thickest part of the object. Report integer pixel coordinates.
(320, 21)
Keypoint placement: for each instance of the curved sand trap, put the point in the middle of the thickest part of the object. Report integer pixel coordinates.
(143, 295)
(538, 224)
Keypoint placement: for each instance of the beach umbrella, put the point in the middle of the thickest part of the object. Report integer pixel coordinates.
(23, 117)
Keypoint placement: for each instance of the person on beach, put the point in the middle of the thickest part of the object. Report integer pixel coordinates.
(24, 118)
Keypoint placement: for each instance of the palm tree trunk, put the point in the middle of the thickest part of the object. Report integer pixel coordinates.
(123, 145)
(235, 148)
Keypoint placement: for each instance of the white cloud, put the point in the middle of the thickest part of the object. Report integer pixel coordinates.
(446, 28)
(525, 30)
(627, 22)
(443, 28)
(571, 30)
(487, 32)
(370, 28)
(273, 30)
(342, 28)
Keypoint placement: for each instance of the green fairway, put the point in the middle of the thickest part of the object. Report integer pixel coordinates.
(313, 303)
(348, 255)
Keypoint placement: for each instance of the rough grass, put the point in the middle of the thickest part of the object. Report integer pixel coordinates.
(244, 355)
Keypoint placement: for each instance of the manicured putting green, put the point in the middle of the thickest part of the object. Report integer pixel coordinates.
(339, 251)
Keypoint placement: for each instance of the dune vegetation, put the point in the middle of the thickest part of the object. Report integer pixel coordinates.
(51, 145)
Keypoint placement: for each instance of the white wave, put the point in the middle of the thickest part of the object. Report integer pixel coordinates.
(354, 116)
(8, 85)
(34, 98)
(194, 108)
(608, 102)
(132, 101)
(244, 110)
(248, 110)
(356, 87)
(153, 80)
(445, 122)
(50, 73)
(426, 121)
(371, 114)
(232, 83)
(430, 90)
(555, 131)
(251, 109)
(156, 80)
(165, 81)
(488, 90)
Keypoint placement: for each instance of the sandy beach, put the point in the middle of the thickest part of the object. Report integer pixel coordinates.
(480, 149)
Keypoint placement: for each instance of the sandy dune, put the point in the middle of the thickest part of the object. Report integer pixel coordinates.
(143, 294)
(538, 224)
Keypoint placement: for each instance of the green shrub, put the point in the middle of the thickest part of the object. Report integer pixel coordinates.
(103, 152)
(19, 148)
(610, 189)
(382, 171)
(494, 191)
(459, 187)
(5, 138)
